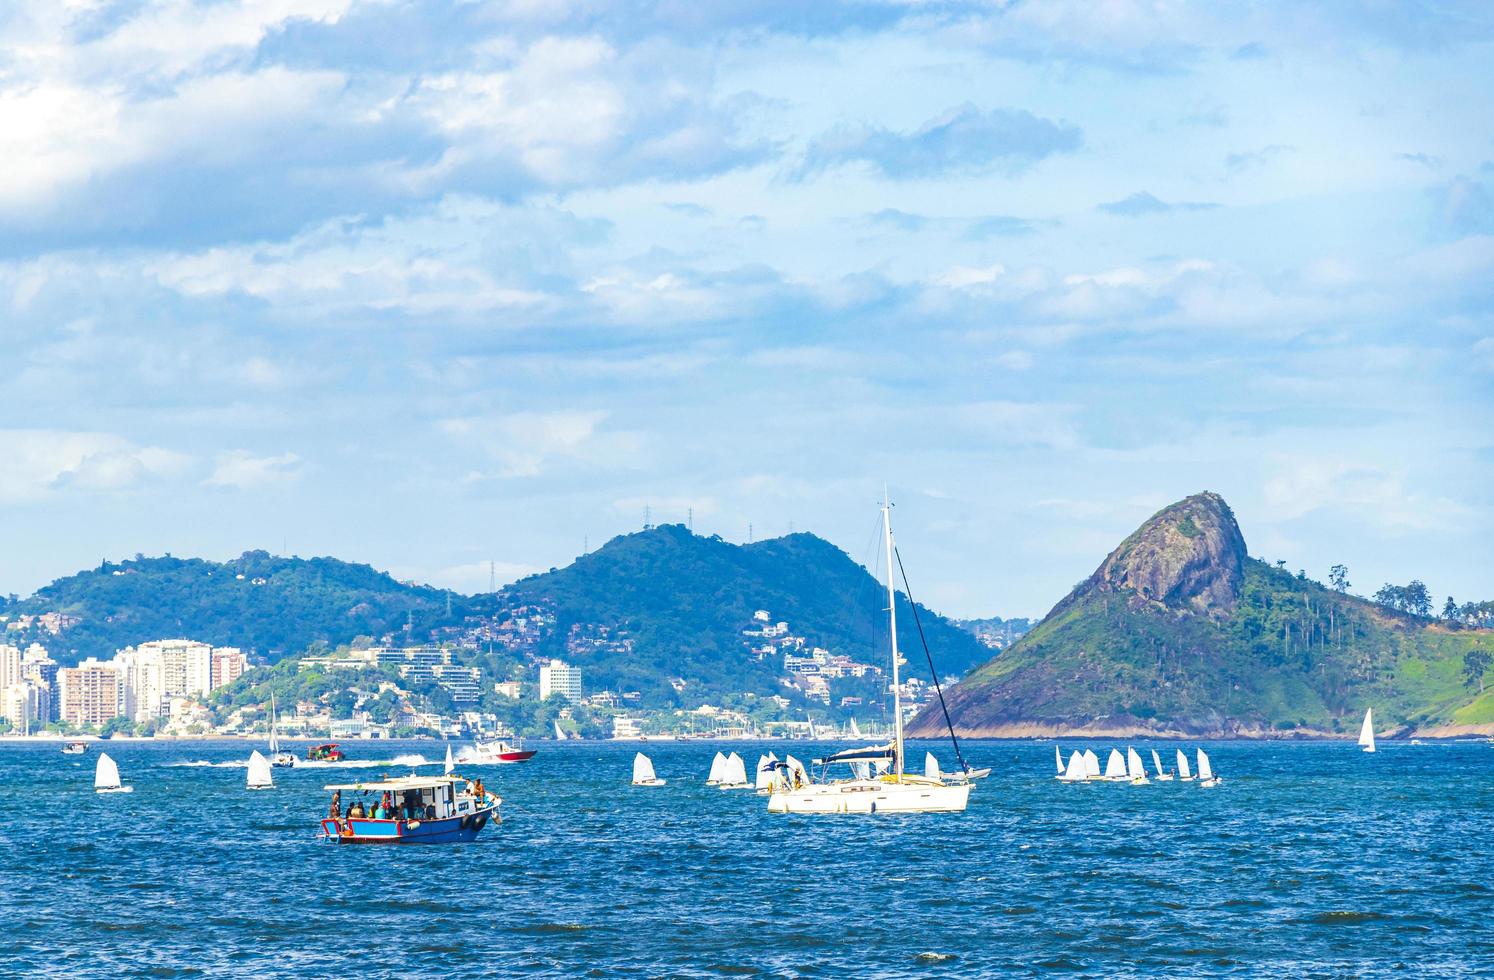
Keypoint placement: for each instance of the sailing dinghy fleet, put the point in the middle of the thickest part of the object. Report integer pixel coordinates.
(1084, 767)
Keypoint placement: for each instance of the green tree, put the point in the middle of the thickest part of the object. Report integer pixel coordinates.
(1450, 610)
(1338, 578)
(1475, 663)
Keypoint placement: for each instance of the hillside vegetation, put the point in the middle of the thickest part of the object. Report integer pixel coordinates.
(1179, 631)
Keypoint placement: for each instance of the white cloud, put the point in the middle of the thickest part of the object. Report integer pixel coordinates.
(528, 444)
(245, 471)
(1304, 485)
(39, 462)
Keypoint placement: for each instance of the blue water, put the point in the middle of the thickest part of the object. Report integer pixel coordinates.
(1310, 860)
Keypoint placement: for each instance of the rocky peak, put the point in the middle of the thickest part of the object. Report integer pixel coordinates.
(1189, 555)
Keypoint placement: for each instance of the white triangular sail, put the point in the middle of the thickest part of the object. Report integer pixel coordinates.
(1205, 771)
(1091, 764)
(718, 770)
(1078, 768)
(855, 729)
(274, 729)
(1367, 731)
(643, 769)
(1183, 772)
(1134, 768)
(1115, 766)
(763, 777)
(559, 732)
(1157, 762)
(796, 771)
(450, 766)
(736, 771)
(259, 772)
(931, 766)
(106, 773)
(1058, 760)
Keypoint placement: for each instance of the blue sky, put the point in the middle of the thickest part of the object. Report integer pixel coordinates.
(433, 284)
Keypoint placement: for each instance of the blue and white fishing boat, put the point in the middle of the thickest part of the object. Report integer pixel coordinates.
(411, 810)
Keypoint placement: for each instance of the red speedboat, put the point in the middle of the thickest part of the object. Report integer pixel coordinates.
(497, 752)
(324, 753)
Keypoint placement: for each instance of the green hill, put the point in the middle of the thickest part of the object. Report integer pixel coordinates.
(1180, 631)
(681, 603)
(266, 604)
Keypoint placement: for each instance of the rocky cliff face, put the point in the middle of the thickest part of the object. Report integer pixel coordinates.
(1188, 556)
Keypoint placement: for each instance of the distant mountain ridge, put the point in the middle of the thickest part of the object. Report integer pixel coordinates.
(1180, 631)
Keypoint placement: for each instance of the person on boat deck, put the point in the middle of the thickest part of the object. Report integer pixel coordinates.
(355, 810)
(479, 792)
(336, 811)
(387, 804)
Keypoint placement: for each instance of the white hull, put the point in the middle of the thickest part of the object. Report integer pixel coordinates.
(1209, 783)
(872, 796)
(114, 789)
(734, 786)
(261, 787)
(648, 782)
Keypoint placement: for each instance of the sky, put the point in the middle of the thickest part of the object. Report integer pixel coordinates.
(434, 285)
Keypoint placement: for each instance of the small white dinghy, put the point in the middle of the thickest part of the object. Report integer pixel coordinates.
(1163, 775)
(1206, 777)
(106, 777)
(1078, 770)
(931, 767)
(1367, 731)
(1091, 764)
(735, 776)
(449, 766)
(1184, 776)
(643, 772)
(1115, 766)
(718, 770)
(259, 772)
(1135, 769)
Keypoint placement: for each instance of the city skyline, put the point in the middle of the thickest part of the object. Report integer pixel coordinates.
(488, 293)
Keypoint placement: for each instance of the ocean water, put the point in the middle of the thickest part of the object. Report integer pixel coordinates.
(1309, 860)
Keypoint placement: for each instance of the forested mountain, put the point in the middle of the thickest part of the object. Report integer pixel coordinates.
(1180, 631)
(681, 603)
(270, 605)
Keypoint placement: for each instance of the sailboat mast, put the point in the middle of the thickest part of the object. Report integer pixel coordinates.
(897, 692)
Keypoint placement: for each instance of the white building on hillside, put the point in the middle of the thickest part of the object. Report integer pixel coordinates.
(559, 677)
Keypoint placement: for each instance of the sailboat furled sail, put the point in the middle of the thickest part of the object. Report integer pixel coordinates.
(643, 772)
(106, 776)
(1367, 731)
(259, 776)
(894, 791)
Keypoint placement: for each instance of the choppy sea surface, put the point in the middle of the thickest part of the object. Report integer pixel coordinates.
(1310, 860)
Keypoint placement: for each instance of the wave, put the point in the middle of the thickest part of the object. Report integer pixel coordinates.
(204, 764)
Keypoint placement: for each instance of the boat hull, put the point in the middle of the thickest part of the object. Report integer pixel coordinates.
(872, 796)
(451, 830)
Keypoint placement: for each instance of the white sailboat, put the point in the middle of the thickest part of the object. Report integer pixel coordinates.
(278, 757)
(1134, 768)
(871, 788)
(643, 772)
(1367, 731)
(1115, 766)
(1184, 776)
(560, 735)
(1091, 764)
(259, 772)
(449, 766)
(767, 765)
(106, 777)
(735, 774)
(1078, 768)
(855, 729)
(1163, 776)
(1058, 760)
(1206, 777)
(718, 770)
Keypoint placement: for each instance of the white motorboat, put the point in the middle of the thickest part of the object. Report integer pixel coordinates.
(1367, 731)
(106, 777)
(643, 772)
(1206, 777)
(879, 782)
(259, 776)
(74, 748)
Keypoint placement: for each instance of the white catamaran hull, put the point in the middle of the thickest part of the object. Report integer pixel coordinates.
(871, 796)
